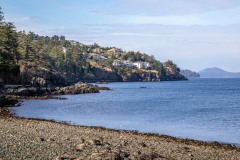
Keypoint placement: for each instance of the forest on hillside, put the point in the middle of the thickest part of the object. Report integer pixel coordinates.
(29, 58)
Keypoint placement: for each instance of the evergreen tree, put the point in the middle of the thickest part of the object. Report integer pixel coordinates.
(8, 43)
(26, 48)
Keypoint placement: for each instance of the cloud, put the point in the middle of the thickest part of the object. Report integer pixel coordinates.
(173, 7)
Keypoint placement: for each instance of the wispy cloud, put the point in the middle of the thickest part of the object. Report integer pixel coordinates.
(166, 7)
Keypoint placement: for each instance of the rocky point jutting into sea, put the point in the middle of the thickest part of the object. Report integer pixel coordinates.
(11, 94)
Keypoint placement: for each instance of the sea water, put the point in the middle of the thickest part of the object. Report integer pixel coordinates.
(201, 109)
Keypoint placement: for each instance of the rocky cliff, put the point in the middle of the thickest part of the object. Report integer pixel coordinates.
(99, 74)
(9, 75)
(32, 73)
(37, 75)
(173, 77)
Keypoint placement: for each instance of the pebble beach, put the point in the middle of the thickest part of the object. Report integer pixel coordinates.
(41, 139)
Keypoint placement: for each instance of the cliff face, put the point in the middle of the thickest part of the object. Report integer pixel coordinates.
(32, 73)
(145, 77)
(102, 75)
(173, 77)
(9, 75)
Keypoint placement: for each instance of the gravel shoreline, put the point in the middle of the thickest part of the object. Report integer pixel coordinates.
(22, 138)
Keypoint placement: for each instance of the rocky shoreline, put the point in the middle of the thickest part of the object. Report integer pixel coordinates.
(13, 95)
(22, 138)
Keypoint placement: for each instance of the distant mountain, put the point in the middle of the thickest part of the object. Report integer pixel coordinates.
(189, 74)
(217, 73)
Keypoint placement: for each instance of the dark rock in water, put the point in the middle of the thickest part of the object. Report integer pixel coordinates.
(78, 88)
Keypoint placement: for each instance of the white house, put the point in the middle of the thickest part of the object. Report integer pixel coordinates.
(141, 65)
(146, 65)
(117, 62)
(138, 64)
(128, 63)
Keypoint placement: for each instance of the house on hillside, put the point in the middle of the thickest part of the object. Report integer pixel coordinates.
(96, 57)
(146, 65)
(128, 63)
(75, 42)
(117, 63)
(141, 65)
(138, 64)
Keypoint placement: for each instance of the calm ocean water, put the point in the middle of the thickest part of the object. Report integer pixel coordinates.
(202, 109)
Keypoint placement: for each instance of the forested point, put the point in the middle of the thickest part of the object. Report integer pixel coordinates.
(29, 58)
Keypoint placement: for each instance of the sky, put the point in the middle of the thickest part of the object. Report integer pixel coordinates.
(195, 34)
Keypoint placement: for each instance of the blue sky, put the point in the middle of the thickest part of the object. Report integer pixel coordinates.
(195, 34)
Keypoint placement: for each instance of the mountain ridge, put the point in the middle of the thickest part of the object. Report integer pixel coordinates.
(216, 72)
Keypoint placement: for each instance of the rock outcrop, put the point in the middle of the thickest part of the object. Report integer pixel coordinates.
(78, 88)
(102, 75)
(173, 77)
(9, 75)
(25, 92)
(7, 101)
(31, 73)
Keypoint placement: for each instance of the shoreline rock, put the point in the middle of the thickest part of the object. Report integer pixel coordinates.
(77, 88)
(8, 101)
(11, 95)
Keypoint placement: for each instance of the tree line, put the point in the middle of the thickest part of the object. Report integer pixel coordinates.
(58, 54)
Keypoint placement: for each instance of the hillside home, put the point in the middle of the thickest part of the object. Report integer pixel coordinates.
(128, 63)
(117, 62)
(75, 42)
(146, 65)
(96, 57)
(141, 65)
